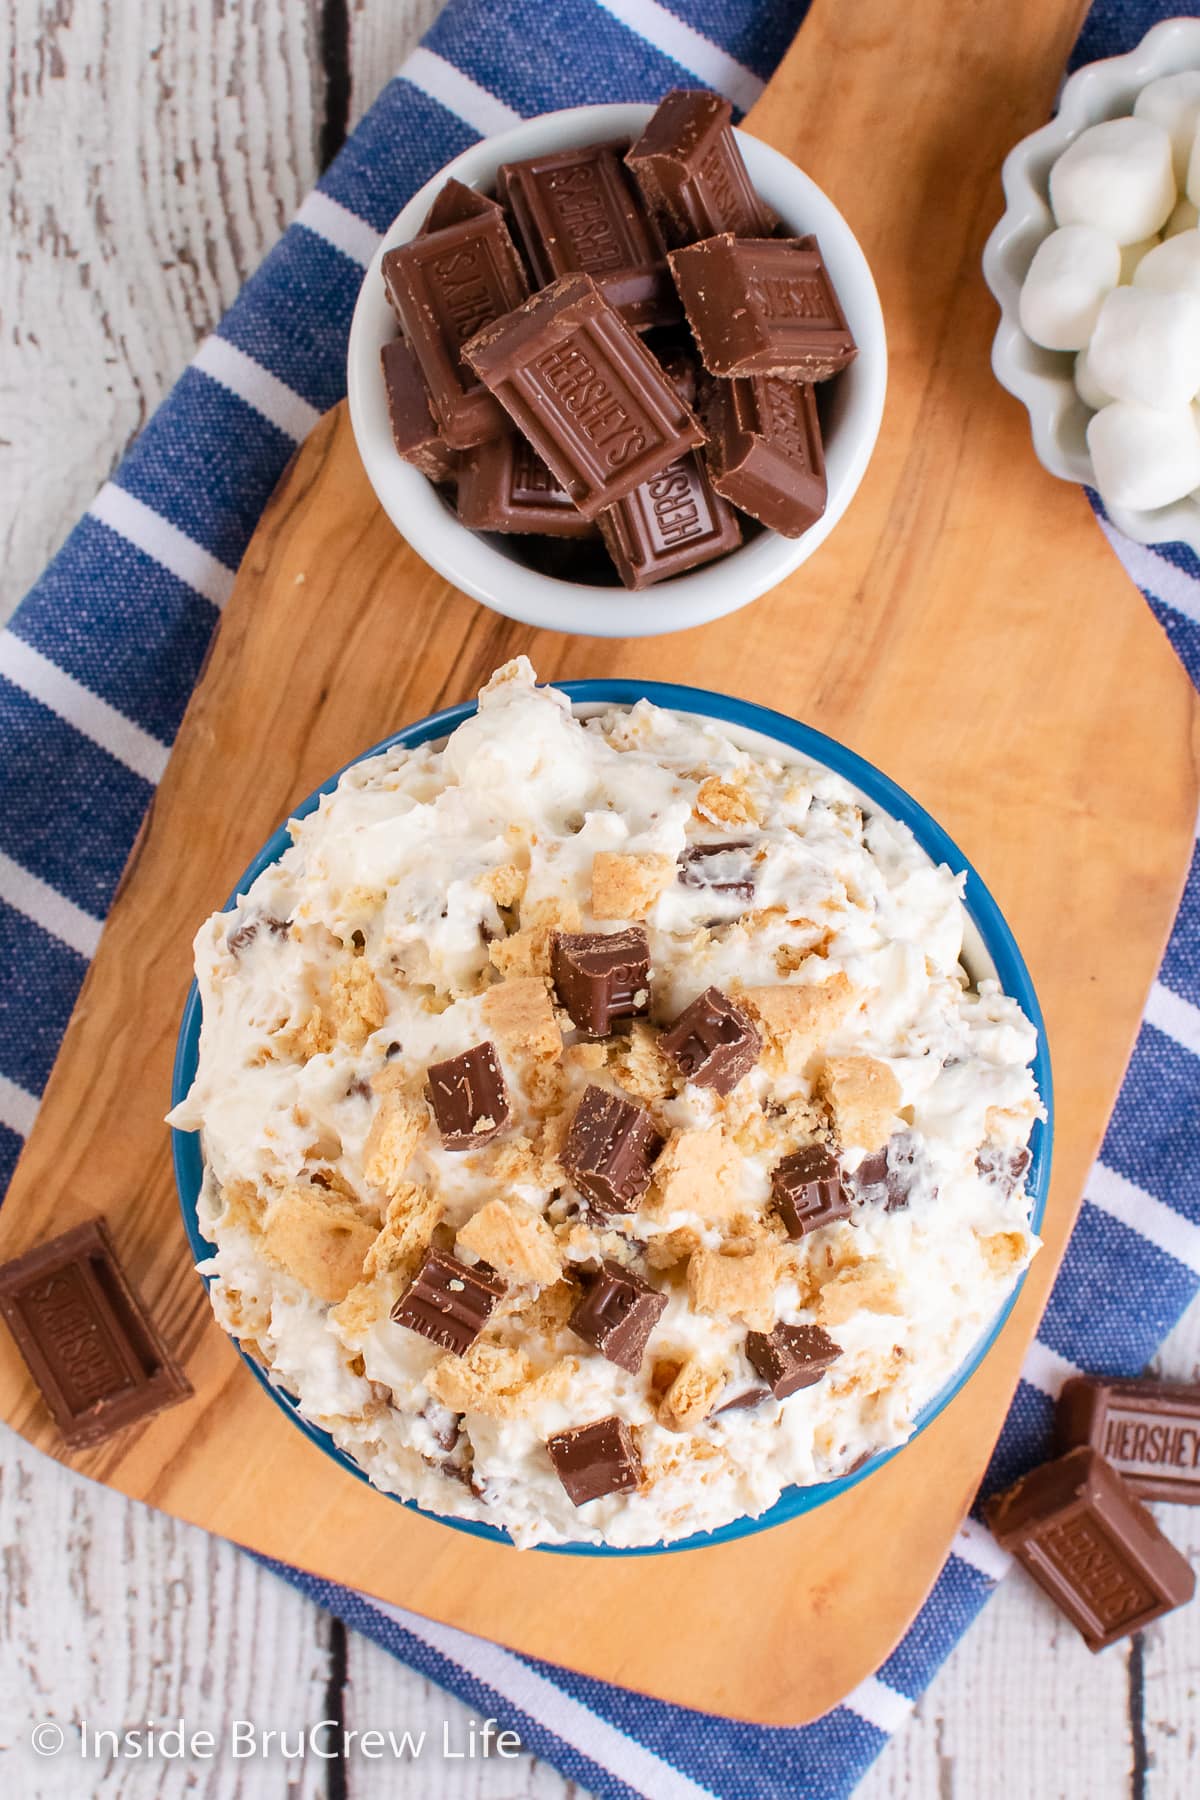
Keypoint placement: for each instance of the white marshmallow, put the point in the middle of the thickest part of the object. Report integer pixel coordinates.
(1071, 273)
(1173, 101)
(1116, 176)
(1173, 266)
(1086, 385)
(1146, 347)
(1131, 257)
(1184, 217)
(1143, 459)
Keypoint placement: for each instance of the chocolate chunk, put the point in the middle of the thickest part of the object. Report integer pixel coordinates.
(887, 1177)
(807, 1190)
(585, 391)
(1148, 1430)
(469, 1097)
(578, 211)
(447, 1301)
(671, 523)
(601, 977)
(753, 1396)
(791, 1357)
(721, 868)
(594, 1460)
(616, 1315)
(763, 306)
(765, 452)
(690, 170)
(712, 1043)
(1004, 1165)
(455, 203)
(89, 1343)
(610, 1150)
(1092, 1546)
(504, 485)
(414, 433)
(443, 288)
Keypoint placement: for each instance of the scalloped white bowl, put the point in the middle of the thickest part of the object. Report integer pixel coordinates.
(1043, 380)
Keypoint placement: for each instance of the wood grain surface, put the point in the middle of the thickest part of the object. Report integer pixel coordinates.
(118, 346)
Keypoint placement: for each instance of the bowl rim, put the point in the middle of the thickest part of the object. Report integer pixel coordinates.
(983, 913)
(468, 558)
(1099, 90)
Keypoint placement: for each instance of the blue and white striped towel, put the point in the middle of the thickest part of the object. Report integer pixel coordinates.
(95, 673)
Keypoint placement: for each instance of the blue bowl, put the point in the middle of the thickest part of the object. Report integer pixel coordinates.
(991, 935)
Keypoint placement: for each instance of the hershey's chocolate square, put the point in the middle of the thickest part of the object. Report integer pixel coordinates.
(601, 977)
(712, 1043)
(616, 1315)
(447, 1301)
(791, 1357)
(807, 1190)
(610, 1150)
(720, 868)
(469, 1097)
(594, 1460)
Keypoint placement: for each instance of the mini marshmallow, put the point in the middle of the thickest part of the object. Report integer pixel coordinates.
(1173, 266)
(1143, 459)
(1072, 272)
(1131, 257)
(1086, 385)
(1184, 217)
(1116, 176)
(1173, 101)
(1146, 347)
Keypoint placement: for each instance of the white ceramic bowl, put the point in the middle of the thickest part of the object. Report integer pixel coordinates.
(487, 566)
(1044, 379)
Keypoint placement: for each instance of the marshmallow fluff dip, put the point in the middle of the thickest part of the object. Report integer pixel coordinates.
(601, 1132)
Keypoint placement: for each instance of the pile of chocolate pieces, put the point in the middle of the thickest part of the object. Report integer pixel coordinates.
(618, 355)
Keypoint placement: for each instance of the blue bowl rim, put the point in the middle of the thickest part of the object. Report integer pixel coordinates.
(888, 797)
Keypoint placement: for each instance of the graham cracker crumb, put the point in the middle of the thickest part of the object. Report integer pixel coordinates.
(548, 1312)
(626, 886)
(395, 1132)
(520, 1013)
(697, 1172)
(691, 1396)
(312, 1035)
(722, 803)
(406, 1233)
(505, 883)
(514, 1239)
(1003, 1251)
(670, 1248)
(640, 1066)
(797, 1017)
(868, 1287)
(243, 1204)
(863, 1095)
(356, 1001)
(527, 952)
(736, 1282)
(320, 1239)
(493, 1380)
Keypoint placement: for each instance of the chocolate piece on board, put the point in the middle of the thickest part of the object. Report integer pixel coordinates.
(443, 288)
(610, 1150)
(616, 1315)
(765, 452)
(720, 868)
(447, 1301)
(457, 202)
(807, 1190)
(712, 1043)
(585, 391)
(1148, 1430)
(90, 1345)
(578, 211)
(763, 306)
(504, 485)
(594, 1460)
(469, 1097)
(673, 522)
(414, 431)
(791, 1357)
(1092, 1545)
(690, 170)
(601, 977)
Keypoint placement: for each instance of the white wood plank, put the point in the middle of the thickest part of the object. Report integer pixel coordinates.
(381, 36)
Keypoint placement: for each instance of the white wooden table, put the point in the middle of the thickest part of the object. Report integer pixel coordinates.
(158, 152)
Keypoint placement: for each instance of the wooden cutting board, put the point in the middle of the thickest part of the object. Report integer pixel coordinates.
(966, 627)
